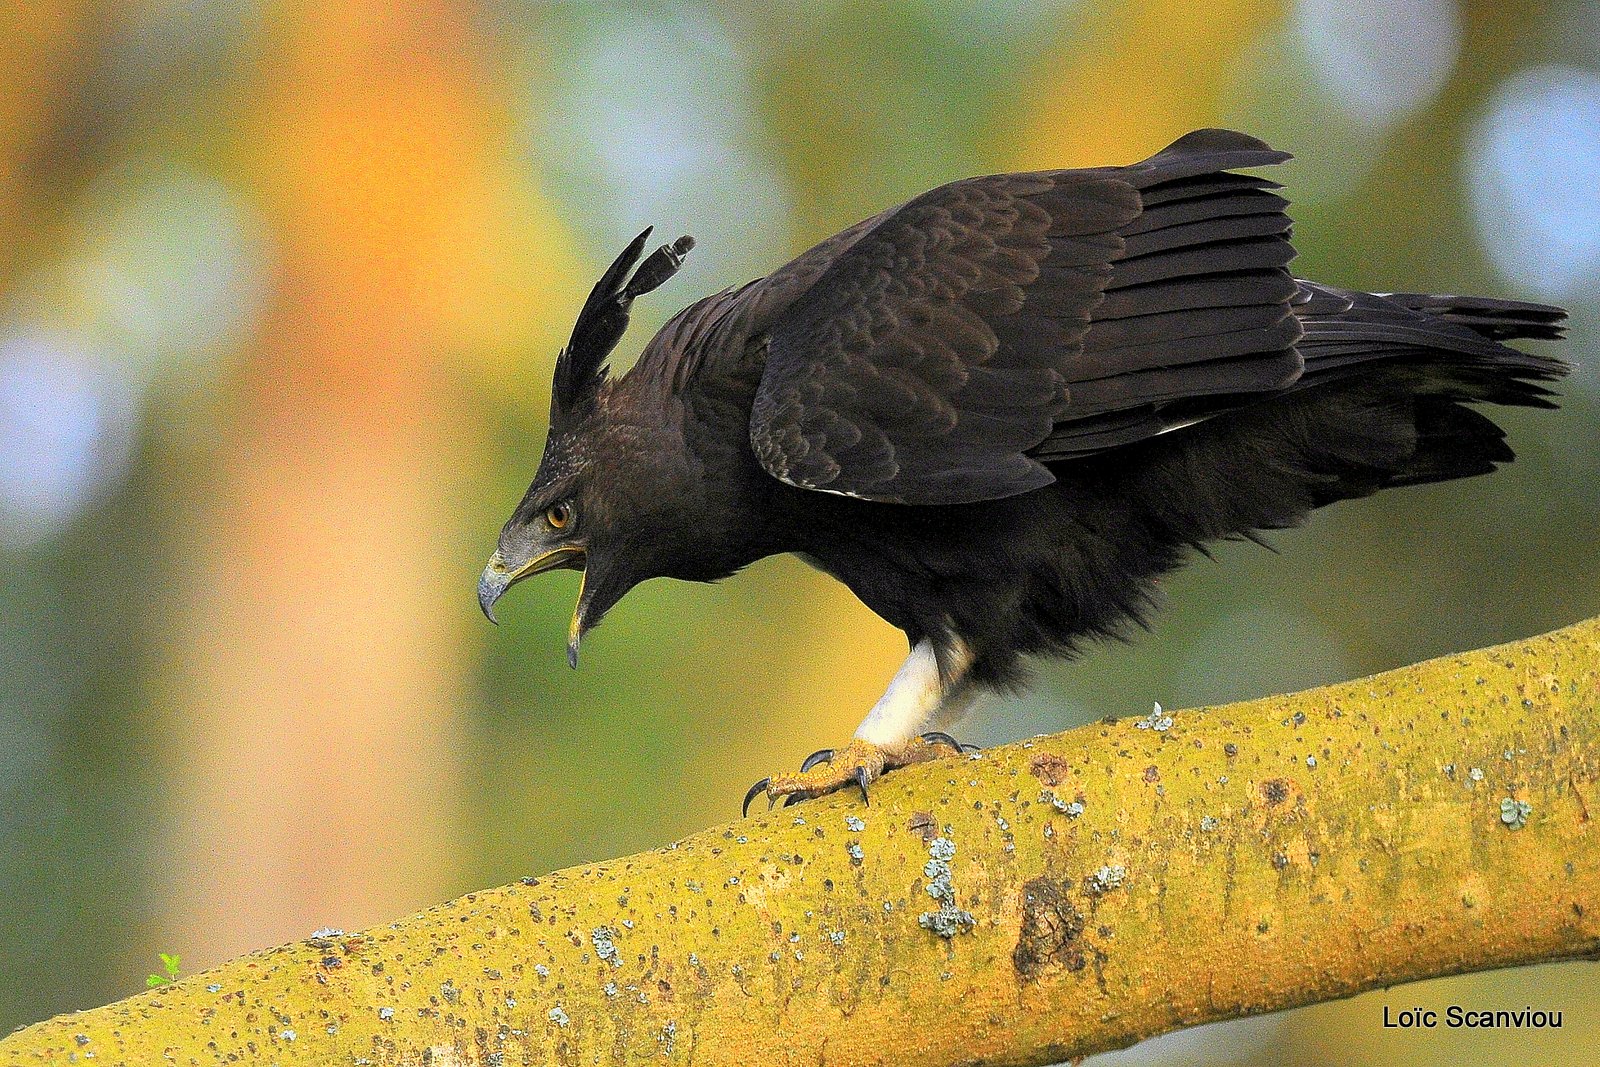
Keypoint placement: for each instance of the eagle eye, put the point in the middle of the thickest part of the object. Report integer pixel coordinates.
(558, 515)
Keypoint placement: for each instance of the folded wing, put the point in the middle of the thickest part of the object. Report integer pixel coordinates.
(998, 322)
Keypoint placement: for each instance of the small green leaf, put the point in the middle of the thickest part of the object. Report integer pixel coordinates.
(170, 962)
(154, 980)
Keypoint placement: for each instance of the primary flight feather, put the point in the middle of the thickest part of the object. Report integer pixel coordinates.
(999, 412)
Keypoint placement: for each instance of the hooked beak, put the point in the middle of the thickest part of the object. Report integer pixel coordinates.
(499, 575)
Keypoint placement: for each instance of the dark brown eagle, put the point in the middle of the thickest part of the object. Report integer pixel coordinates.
(999, 412)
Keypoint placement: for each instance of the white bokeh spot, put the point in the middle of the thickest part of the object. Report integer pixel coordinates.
(1379, 62)
(1533, 167)
(171, 267)
(653, 120)
(67, 420)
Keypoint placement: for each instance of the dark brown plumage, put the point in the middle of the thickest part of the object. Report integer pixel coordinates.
(999, 411)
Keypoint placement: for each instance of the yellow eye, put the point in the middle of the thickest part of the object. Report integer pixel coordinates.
(558, 515)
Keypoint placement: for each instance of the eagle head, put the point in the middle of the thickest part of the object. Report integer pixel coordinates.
(582, 507)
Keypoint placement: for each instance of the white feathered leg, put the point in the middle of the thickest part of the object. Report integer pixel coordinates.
(919, 698)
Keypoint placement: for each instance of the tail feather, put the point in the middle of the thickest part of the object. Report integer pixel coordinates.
(1421, 360)
(1441, 351)
(1498, 320)
(1452, 343)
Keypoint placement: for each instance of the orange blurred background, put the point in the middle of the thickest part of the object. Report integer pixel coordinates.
(281, 287)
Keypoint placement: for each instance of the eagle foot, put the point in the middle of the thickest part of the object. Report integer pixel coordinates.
(857, 764)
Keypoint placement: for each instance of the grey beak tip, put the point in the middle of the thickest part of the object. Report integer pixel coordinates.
(572, 654)
(490, 586)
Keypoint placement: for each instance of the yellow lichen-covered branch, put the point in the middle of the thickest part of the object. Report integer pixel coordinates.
(1026, 905)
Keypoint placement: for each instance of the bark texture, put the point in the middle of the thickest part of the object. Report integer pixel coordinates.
(1031, 904)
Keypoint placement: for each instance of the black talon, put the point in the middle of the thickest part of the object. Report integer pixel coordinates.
(792, 798)
(939, 737)
(748, 797)
(819, 756)
(861, 783)
(971, 748)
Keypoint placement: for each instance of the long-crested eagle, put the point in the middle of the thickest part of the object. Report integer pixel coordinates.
(999, 412)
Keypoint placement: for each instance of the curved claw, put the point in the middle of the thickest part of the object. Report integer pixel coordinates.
(821, 755)
(861, 779)
(759, 787)
(939, 737)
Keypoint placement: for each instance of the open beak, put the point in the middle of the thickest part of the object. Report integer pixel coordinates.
(499, 575)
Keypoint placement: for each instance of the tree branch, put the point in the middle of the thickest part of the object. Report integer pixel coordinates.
(1039, 902)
